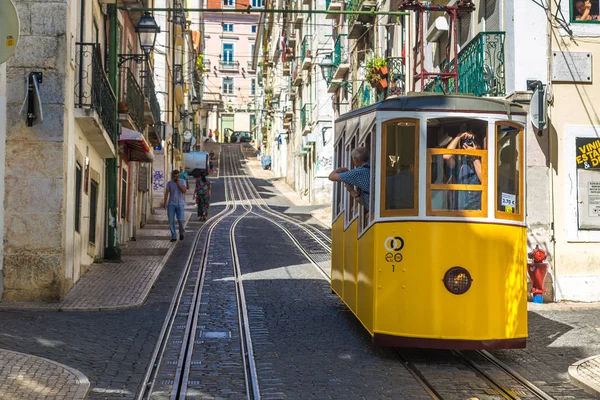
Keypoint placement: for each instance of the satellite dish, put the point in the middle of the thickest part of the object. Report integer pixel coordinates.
(9, 30)
(187, 135)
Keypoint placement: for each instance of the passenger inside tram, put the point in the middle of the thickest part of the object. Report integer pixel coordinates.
(463, 169)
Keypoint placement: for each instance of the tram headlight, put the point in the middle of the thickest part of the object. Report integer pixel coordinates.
(457, 280)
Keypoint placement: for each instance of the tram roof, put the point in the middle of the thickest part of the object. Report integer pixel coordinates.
(440, 103)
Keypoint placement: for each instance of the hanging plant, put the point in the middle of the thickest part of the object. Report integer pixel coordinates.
(376, 71)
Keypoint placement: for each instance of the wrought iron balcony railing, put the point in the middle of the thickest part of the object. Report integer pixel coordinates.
(92, 89)
(306, 47)
(134, 98)
(481, 65)
(362, 97)
(339, 55)
(396, 76)
(229, 65)
(150, 93)
(306, 115)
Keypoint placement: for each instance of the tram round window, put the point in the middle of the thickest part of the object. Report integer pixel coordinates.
(457, 280)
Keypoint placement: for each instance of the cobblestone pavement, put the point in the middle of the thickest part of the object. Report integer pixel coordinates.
(307, 344)
(23, 377)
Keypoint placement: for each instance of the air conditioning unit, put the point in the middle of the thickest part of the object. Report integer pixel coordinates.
(439, 26)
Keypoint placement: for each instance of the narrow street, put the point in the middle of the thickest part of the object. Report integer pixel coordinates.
(305, 343)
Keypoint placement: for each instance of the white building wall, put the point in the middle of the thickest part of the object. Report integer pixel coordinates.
(2, 166)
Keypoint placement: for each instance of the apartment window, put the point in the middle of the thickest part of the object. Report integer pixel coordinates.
(253, 87)
(227, 27)
(585, 11)
(257, 3)
(227, 85)
(78, 182)
(253, 28)
(228, 3)
(123, 193)
(252, 53)
(227, 52)
(93, 210)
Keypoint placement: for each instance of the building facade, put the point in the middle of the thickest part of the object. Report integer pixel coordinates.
(229, 81)
(57, 177)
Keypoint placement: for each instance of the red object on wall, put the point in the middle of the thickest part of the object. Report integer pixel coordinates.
(537, 270)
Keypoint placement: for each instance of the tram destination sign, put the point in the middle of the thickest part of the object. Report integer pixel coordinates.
(587, 153)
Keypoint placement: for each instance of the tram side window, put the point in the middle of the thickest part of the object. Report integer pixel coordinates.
(352, 202)
(339, 189)
(457, 154)
(508, 144)
(366, 213)
(399, 161)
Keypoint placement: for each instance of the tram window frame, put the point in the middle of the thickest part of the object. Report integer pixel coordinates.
(351, 210)
(520, 215)
(482, 187)
(406, 212)
(338, 189)
(365, 218)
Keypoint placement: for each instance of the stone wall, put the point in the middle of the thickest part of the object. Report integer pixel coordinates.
(35, 187)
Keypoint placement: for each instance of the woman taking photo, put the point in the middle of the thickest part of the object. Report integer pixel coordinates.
(202, 195)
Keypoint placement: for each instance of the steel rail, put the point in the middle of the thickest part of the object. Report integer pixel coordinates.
(184, 362)
(165, 332)
(419, 377)
(265, 207)
(515, 375)
(499, 387)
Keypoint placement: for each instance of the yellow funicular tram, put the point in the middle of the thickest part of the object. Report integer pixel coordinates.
(438, 259)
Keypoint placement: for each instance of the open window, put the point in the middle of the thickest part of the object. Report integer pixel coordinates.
(352, 205)
(338, 189)
(399, 161)
(457, 167)
(509, 171)
(366, 215)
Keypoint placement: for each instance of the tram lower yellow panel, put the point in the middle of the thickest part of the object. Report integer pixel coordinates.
(410, 297)
(350, 266)
(337, 256)
(366, 279)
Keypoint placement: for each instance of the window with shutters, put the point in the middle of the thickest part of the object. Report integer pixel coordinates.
(464, 30)
(585, 11)
(93, 210)
(492, 16)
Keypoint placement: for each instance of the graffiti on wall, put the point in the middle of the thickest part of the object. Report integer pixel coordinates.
(158, 180)
(324, 165)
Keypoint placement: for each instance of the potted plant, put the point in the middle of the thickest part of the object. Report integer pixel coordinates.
(376, 72)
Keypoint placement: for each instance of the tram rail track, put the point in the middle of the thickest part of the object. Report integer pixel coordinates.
(184, 362)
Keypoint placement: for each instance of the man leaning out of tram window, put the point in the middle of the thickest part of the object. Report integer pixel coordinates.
(469, 168)
(359, 177)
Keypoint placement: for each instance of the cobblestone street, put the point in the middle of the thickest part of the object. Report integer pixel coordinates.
(305, 341)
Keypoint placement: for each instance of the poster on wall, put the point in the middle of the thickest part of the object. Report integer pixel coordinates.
(587, 153)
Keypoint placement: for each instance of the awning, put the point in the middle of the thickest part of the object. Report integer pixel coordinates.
(139, 150)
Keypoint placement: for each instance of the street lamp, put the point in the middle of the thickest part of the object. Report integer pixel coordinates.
(326, 65)
(195, 104)
(147, 29)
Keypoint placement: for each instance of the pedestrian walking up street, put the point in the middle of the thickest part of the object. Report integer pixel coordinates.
(175, 203)
(202, 196)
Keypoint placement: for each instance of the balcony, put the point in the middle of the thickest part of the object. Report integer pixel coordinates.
(212, 98)
(95, 102)
(333, 5)
(397, 76)
(481, 65)
(363, 96)
(306, 55)
(297, 77)
(340, 60)
(357, 22)
(306, 117)
(151, 106)
(287, 68)
(229, 66)
(131, 110)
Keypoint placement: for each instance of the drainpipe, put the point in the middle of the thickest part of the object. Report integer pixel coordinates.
(112, 250)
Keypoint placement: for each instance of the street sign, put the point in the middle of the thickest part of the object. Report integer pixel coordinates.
(9, 30)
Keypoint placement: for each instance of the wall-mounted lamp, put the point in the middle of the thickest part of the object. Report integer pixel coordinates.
(147, 29)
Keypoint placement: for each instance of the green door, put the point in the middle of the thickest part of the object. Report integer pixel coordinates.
(226, 125)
